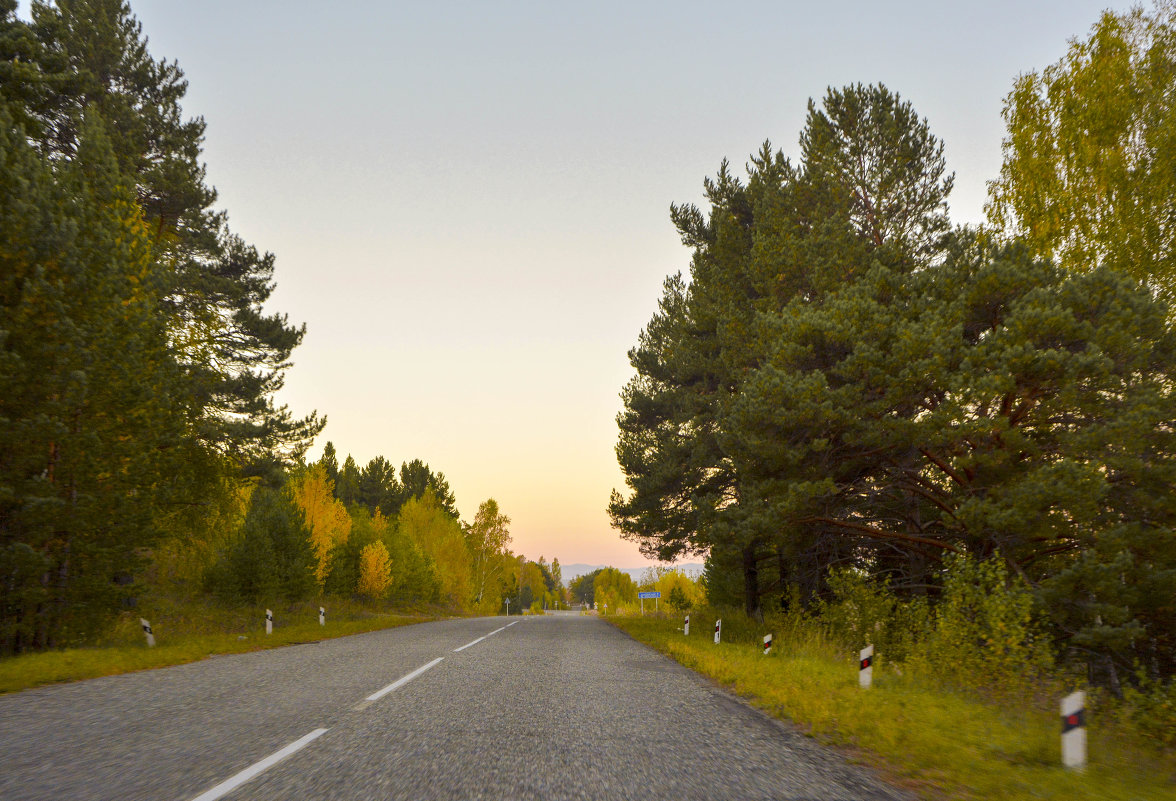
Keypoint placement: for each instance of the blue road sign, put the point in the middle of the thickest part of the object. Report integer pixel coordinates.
(649, 595)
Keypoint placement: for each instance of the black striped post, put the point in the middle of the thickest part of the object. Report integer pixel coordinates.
(1074, 730)
(767, 645)
(269, 622)
(147, 632)
(866, 666)
(686, 628)
(718, 629)
(322, 616)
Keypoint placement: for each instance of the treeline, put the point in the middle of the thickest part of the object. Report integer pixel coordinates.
(846, 382)
(346, 532)
(137, 364)
(613, 591)
(141, 450)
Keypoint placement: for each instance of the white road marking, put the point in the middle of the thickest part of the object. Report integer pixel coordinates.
(228, 786)
(484, 636)
(468, 644)
(378, 694)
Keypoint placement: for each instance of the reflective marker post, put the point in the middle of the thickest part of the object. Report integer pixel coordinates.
(147, 631)
(718, 629)
(1074, 730)
(322, 616)
(269, 622)
(686, 628)
(767, 645)
(866, 665)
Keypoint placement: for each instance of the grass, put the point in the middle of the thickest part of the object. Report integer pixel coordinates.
(938, 743)
(187, 631)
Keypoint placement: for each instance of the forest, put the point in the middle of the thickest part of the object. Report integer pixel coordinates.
(141, 449)
(848, 388)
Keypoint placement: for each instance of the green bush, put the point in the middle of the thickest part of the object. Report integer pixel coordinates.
(984, 635)
(1149, 709)
(860, 611)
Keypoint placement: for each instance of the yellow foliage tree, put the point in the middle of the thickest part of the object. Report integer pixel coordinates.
(326, 518)
(1089, 173)
(375, 570)
(614, 590)
(487, 538)
(678, 590)
(424, 521)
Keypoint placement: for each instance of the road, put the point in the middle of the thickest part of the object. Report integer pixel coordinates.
(549, 707)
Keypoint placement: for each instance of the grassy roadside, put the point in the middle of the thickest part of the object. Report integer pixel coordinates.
(939, 744)
(188, 632)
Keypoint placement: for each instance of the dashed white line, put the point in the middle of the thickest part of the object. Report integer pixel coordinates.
(403, 680)
(256, 768)
(253, 770)
(468, 644)
(484, 636)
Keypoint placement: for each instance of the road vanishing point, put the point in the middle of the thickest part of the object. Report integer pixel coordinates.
(562, 706)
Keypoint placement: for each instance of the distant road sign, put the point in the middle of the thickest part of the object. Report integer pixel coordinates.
(649, 595)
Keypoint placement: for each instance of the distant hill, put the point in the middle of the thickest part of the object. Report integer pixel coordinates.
(570, 572)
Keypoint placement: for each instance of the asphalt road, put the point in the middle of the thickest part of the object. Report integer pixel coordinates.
(555, 707)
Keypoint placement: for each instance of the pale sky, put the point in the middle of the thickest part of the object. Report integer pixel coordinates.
(469, 201)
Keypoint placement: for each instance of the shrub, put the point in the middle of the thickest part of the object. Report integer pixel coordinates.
(860, 611)
(1149, 709)
(984, 635)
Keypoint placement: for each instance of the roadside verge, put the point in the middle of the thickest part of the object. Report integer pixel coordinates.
(74, 664)
(937, 743)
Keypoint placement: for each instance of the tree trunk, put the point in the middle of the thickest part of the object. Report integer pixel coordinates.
(751, 594)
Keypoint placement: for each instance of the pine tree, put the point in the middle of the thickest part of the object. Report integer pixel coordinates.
(377, 487)
(235, 355)
(416, 479)
(272, 557)
(870, 188)
(330, 462)
(347, 486)
(95, 433)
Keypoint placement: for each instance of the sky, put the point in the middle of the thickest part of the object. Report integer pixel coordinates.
(469, 201)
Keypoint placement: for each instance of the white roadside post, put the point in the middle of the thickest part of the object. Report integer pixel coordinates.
(506, 603)
(767, 645)
(1074, 730)
(686, 628)
(718, 629)
(866, 666)
(322, 616)
(269, 622)
(147, 631)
